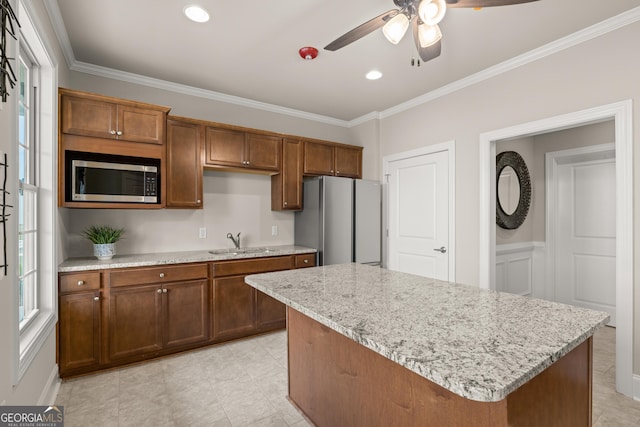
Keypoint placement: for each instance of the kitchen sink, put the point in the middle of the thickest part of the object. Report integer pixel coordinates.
(233, 251)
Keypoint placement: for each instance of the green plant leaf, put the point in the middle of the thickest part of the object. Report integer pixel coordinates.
(101, 234)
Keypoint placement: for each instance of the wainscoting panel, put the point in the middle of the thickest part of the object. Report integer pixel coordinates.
(520, 268)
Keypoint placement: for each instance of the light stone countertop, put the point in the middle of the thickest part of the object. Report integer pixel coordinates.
(479, 344)
(143, 260)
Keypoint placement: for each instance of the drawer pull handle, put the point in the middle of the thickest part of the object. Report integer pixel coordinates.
(96, 298)
(80, 282)
(306, 261)
(159, 291)
(161, 275)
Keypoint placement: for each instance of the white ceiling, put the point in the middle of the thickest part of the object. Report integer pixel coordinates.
(249, 49)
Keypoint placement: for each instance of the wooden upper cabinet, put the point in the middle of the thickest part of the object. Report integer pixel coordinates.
(98, 116)
(263, 151)
(184, 164)
(324, 158)
(348, 161)
(286, 187)
(238, 149)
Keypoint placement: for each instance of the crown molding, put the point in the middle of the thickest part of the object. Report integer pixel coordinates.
(111, 73)
(626, 18)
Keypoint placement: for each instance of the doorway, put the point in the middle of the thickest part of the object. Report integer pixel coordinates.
(621, 112)
(419, 221)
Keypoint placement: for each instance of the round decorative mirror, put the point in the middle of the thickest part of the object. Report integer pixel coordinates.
(513, 190)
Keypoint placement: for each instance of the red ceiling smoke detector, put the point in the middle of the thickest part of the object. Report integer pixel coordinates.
(308, 52)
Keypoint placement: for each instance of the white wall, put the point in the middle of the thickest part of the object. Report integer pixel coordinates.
(595, 73)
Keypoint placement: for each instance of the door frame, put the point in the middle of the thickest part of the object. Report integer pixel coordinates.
(552, 161)
(622, 113)
(450, 148)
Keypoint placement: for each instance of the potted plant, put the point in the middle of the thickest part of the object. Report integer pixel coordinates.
(103, 238)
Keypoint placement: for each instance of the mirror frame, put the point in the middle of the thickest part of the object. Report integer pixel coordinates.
(515, 220)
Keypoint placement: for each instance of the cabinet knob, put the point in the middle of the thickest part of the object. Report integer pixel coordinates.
(159, 291)
(119, 132)
(285, 203)
(80, 282)
(331, 170)
(306, 261)
(198, 201)
(161, 275)
(337, 171)
(96, 298)
(164, 291)
(113, 132)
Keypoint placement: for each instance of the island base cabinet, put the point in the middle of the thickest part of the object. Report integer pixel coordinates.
(335, 381)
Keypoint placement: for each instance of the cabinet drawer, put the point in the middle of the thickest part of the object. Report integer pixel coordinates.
(77, 282)
(305, 260)
(138, 276)
(252, 266)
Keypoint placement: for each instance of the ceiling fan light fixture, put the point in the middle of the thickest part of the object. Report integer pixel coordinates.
(196, 13)
(431, 12)
(395, 29)
(429, 35)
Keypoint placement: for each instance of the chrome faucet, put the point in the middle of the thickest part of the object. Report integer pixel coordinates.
(236, 240)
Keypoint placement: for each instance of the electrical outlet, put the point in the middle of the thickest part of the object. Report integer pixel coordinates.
(202, 233)
(274, 230)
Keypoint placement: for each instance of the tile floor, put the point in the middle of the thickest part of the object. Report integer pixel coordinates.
(245, 384)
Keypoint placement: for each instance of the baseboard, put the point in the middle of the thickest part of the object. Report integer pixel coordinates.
(636, 387)
(50, 392)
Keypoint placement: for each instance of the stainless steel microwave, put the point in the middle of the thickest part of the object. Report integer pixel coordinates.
(105, 181)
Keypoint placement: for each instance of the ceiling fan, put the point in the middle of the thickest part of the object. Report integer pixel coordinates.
(422, 15)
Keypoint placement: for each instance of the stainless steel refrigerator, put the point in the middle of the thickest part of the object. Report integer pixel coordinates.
(341, 218)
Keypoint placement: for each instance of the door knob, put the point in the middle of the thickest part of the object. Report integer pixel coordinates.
(442, 250)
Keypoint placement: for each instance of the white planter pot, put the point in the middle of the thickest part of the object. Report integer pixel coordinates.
(104, 251)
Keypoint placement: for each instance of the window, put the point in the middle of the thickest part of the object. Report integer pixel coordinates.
(32, 268)
(27, 194)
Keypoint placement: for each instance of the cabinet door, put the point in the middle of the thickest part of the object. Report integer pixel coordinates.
(140, 125)
(88, 117)
(234, 307)
(271, 313)
(186, 313)
(318, 158)
(184, 165)
(135, 326)
(286, 187)
(263, 152)
(348, 162)
(224, 147)
(79, 331)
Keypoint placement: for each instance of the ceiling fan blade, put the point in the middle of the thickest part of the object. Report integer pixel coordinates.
(484, 3)
(426, 53)
(361, 31)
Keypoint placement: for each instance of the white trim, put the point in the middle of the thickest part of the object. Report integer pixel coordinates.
(450, 147)
(622, 113)
(509, 248)
(552, 160)
(626, 18)
(50, 391)
(636, 387)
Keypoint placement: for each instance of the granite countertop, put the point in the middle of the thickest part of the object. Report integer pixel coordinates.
(142, 260)
(479, 344)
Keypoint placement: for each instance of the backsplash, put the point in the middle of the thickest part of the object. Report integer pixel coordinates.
(233, 202)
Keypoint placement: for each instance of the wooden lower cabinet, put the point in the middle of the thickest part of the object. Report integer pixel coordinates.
(79, 331)
(114, 317)
(135, 326)
(234, 310)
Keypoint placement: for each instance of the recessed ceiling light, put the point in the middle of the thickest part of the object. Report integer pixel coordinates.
(373, 75)
(196, 13)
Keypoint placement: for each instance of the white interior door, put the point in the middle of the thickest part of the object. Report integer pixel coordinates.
(586, 235)
(418, 225)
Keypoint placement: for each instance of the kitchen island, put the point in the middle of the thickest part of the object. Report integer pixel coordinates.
(368, 346)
